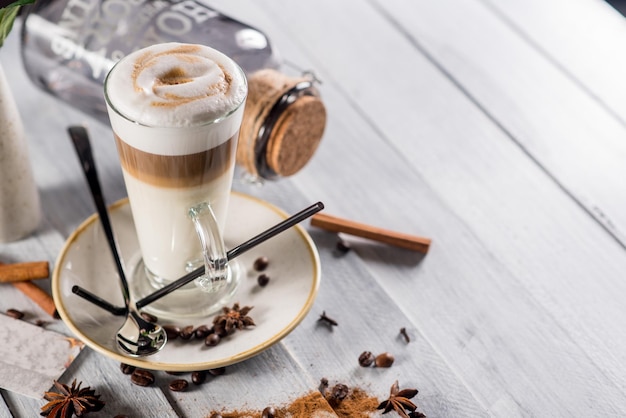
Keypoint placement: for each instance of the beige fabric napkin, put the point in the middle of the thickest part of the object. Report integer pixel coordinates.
(31, 358)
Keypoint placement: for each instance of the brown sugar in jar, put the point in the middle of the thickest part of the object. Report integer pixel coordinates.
(283, 124)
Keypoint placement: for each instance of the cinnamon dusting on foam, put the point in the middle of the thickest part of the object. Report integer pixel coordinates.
(177, 76)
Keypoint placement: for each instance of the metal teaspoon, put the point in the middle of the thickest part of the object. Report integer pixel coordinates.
(136, 337)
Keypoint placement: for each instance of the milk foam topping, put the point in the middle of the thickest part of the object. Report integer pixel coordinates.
(176, 85)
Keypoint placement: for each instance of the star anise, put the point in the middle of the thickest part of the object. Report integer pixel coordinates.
(399, 401)
(232, 319)
(72, 400)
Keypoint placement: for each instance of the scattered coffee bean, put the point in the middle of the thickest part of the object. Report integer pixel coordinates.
(142, 377)
(261, 263)
(268, 412)
(218, 372)
(198, 377)
(405, 335)
(201, 332)
(343, 247)
(127, 368)
(384, 360)
(187, 332)
(366, 359)
(178, 385)
(263, 280)
(149, 317)
(337, 394)
(212, 340)
(328, 320)
(172, 331)
(14, 313)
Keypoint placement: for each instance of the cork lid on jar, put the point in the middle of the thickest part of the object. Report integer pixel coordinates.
(283, 124)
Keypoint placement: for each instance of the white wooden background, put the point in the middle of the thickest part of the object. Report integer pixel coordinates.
(497, 128)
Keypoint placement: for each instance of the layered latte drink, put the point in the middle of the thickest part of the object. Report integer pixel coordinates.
(175, 110)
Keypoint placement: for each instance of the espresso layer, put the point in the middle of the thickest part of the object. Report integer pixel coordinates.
(177, 170)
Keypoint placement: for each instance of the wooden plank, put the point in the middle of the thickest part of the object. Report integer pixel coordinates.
(582, 38)
(573, 131)
(4, 408)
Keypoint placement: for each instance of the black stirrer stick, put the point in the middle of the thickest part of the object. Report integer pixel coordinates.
(238, 250)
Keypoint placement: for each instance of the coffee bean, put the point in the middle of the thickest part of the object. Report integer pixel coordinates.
(339, 391)
(172, 331)
(216, 415)
(201, 332)
(268, 412)
(14, 313)
(127, 368)
(142, 377)
(263, 280)
(366, 359)
(187, 332)
(219, 329)
(198, 377)
(212, 340)
(261, 263)
(218, 372)
(384, 360)
(337, 394)
(178, 385)
(149, 317)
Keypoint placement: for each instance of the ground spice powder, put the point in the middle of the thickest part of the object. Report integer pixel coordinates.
(358, 404)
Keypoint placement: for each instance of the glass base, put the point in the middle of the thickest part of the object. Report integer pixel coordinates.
(188, 302)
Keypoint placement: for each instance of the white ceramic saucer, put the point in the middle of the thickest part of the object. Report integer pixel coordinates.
(279, 307)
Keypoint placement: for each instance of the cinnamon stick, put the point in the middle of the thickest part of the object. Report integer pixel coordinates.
(18, 272)
(398, 239)
(34, 270)
(39, 296)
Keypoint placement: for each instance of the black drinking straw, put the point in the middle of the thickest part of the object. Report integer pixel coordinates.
(235, 252)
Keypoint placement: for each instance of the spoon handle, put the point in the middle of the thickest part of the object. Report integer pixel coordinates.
(80, 139)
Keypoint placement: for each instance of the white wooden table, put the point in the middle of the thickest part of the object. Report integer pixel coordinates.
(497, 128)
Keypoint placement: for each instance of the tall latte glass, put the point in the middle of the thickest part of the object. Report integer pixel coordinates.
(175, 110)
